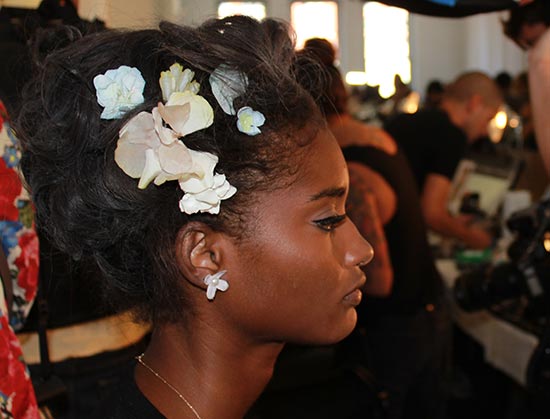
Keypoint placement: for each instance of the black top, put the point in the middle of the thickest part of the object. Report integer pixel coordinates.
(416, 279)
(128, 402)
(430, 141)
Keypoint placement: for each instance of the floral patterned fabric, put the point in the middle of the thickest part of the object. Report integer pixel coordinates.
(20, 245)
(17, 398)
(19, 239)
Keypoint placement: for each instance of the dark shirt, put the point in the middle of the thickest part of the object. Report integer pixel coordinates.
(416, 279)
(128, 402)
(430, 141)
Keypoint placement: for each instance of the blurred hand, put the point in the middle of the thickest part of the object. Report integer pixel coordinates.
(478, 239)
(465, 219)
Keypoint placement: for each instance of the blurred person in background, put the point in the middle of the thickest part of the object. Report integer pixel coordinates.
(435, 141)
(528, 26)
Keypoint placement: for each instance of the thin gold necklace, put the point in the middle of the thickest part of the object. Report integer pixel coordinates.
(161, 378)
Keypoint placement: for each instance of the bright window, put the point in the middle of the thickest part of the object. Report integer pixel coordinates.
(314, 19)
(386, 34)
(253, 9)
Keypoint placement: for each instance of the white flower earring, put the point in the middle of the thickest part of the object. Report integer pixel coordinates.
(215, 283)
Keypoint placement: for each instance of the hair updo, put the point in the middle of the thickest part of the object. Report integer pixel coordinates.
(92, 210)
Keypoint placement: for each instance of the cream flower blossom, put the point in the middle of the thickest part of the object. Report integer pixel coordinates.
(176, 79)
(248, 120)
(119, 90)
(204, 193)
(200, 113)
(150, 147)
(141, 154)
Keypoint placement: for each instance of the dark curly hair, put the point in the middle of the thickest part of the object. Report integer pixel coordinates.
(321, 78)
(93, 211)
(536, 12)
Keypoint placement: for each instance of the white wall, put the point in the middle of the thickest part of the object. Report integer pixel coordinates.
(443, 48)
(440, 47)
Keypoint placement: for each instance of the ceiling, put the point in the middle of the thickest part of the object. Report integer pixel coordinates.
(460, 9)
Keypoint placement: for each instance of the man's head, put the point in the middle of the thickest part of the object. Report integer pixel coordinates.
(471, 101)
(526, 24)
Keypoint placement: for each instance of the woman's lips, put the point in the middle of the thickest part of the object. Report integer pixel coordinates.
(355, 295)
(354, 298)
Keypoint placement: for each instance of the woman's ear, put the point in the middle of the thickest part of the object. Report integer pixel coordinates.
(199, 252)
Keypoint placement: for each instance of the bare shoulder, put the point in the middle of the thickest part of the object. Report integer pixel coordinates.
(350, 132)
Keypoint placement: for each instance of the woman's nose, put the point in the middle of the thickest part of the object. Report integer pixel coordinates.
(360, 251)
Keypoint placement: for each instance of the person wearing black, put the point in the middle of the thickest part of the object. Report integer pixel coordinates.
(435, 141)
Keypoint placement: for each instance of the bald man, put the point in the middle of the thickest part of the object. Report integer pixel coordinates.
(435, 141)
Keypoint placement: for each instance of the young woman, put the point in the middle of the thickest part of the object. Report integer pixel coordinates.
(193, 170)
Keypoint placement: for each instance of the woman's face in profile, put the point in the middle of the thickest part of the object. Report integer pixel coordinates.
(295, 277)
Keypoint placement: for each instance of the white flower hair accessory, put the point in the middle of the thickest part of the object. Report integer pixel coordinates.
(119, 90)
(150, 148)
(248, 120)
(176, 79)
(227, 84)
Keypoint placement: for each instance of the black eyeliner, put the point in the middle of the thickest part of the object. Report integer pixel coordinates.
(330, 222)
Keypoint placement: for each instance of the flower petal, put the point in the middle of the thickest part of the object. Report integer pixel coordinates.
(223, 285)
(135, 138)
(201, 115)
(258, 118)
(202, 173)
(177, 80)
(151, 170)
(211, 292)
(175, 115)
(175, 159)
(189, 205)
(139, 130)
(227, 84)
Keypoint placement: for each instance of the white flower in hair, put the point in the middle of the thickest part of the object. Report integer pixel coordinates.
(248, 120)
(119, 90)
(227, 84)
(150, 149)
(176, 79)
(204, 193)
(186, 112)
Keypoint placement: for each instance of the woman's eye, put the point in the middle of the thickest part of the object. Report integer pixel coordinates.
(330, 223)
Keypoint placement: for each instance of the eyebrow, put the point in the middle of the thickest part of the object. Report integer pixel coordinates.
(328, 193)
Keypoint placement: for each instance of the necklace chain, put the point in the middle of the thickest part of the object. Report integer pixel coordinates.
(170, 386)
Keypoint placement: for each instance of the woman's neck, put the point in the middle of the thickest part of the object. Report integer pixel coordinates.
(217, 375)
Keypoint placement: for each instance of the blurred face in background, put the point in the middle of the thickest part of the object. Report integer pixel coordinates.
(530, 33)
(478, 120)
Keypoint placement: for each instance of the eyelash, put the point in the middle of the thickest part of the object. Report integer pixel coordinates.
(330, 223)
